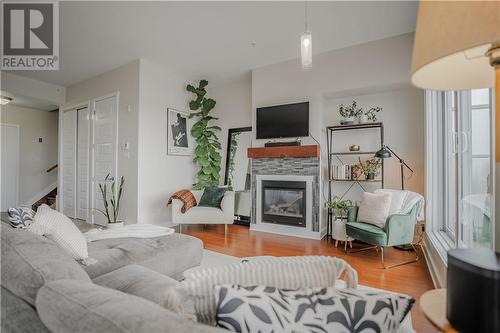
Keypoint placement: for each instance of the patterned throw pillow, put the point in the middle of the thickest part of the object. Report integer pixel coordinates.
(20, 217)
(280, 272)
(269, 309)
(212, 197)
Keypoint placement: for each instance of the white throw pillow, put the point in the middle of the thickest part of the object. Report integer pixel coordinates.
(59, 228)
(398, 198)
(374, 208)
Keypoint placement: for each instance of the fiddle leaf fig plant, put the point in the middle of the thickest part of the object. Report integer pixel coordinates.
(206, 153)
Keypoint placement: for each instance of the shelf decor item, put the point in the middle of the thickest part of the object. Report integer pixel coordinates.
(371, 115)
(354, 148)
(371, 168)
(349, 113)
(356, 171)
(112, 204)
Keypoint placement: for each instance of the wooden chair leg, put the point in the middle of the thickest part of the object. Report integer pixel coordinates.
(336, 242)
(180, 228)
(225, 230)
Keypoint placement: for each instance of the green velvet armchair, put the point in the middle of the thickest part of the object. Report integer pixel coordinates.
(398, 230)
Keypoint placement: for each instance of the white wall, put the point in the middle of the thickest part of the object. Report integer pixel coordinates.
(160, 174)
(234, 108)
(124, 79)
(373, 73)
(34, 157)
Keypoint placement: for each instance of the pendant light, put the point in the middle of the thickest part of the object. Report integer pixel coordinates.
(306, 43)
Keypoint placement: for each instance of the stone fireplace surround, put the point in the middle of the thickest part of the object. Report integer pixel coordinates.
(287, 169)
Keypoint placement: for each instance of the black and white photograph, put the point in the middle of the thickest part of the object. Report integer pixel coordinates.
(178, 127)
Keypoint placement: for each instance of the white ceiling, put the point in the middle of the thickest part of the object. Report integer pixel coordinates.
(29, 102)
(212, 39)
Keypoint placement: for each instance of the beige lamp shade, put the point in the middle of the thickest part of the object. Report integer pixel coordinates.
(451, 41)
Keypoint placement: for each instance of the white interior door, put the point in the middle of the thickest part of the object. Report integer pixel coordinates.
(104, 139)
(82, 186)
(69, 162)
(10, 165)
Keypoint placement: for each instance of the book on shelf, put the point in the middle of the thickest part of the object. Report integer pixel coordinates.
(342, 172)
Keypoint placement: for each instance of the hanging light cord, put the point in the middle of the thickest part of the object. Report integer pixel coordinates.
(305, 16)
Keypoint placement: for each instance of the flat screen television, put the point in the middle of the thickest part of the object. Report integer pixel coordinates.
(283, 121)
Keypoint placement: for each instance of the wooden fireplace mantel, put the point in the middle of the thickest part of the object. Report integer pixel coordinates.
(284, 152)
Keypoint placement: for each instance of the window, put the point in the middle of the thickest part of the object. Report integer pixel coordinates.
(459, 168)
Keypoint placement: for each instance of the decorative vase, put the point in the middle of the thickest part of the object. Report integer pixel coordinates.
(347, 121)
(370, 176)
(363, 119)
(114, 225)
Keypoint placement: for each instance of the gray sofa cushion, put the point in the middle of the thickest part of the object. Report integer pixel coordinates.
(29, 261)
(169, 255)
(18, 316)
(139, 281)
(71, 306)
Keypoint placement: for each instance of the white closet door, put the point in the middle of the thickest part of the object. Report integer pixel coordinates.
(10, 166)
(104, 139)
(82, 202)
(69, 130)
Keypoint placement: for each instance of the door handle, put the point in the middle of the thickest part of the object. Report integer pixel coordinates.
(465, 142)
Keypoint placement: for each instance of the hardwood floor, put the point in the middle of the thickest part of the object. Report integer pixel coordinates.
(412, 279)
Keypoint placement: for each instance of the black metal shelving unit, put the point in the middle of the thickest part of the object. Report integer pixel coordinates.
(330, 131)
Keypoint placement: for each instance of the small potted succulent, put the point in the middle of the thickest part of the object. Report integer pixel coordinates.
(112, 204)
(349, 113)
(371, 168)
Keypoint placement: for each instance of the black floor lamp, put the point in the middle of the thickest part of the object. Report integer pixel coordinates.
(387, 152)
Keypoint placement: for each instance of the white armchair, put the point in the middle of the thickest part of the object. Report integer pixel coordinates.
(205, 215)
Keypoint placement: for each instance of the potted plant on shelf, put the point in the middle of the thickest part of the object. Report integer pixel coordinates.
(112, 204)
(371, 168)
(349, 113)
(371, 115)
(339, 208)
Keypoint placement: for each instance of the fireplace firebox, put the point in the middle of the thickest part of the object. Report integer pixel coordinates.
(284, 202)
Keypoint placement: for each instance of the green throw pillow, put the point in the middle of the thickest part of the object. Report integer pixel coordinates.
(212, 197)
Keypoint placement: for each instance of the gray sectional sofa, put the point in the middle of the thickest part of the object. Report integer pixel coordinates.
(45, 290)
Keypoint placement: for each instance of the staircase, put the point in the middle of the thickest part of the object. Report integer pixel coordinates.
(49, 199)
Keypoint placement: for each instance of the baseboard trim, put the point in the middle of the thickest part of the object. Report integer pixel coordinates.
(285, 230)
(436, 266)
(41, 194)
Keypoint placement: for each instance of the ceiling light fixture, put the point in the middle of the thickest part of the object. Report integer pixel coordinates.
(5, 100)
(306, 43)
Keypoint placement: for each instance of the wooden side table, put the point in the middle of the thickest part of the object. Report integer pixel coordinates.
(433, 304)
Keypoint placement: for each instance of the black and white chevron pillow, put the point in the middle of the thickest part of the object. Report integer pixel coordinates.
(317, 310)
(20, 217)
